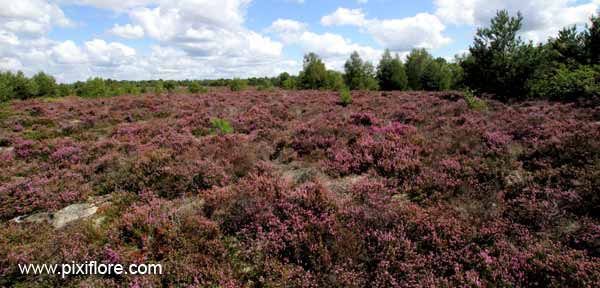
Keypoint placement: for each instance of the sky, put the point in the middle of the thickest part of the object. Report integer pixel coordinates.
(207, 39)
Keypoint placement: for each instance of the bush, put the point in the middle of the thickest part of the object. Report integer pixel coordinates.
(159, 87)
(195, 87)
(46, 85)
(473, 102)
(569, 85)
(238, 85)
(170, 85)
(93, 88)
(335, 80)
(6, 86)
(265, 85)
(345, 96)
(221, 126)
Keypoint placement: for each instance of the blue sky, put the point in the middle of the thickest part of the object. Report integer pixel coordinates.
(179, 39)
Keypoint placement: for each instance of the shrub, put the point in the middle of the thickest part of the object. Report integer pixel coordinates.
(6, 86)
(236, 85)
(195, 87)
(345, 96)
(221, 126)
(46, 85)
(170, 85)
(93, 88)
(335, 80)
(473, 102)
(265, 85)
(569, 85)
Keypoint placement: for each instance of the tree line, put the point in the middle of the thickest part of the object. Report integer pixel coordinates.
(499, 63)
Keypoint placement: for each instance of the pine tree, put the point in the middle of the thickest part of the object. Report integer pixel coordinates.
(390, 73)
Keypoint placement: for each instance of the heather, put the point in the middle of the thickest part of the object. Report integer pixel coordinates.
(291, 189)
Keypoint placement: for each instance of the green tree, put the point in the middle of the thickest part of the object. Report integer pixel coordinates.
(416, 62)
(170, 85)
(437, 76)
(46, 85)
(335, 80)
(238, 85)
(568, 48)
(359, 75)
(94, 87)
(159, 87)
(279, 80)
(7, 88)
(290, 83)
(314, 73)
(195, 87)
(63, 90)
(499, 62)
(390, 73)
(593, 40)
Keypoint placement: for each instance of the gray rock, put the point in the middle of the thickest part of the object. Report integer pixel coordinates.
(68, 214)
(7, 149)
(72, 213)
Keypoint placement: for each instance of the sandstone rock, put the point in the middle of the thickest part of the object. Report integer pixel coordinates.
(68, 214)
(72, 213)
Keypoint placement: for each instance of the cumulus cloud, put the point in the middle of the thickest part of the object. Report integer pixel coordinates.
(344, 16)
(68, 53)
(542, 18)
(127, 31)
(196, 39)
(115, 5)
(31, 17)
(333, 48)
(421, 31)
(287, 26)
(109, 54)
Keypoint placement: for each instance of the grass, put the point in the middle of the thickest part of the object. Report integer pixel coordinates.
(345, 97)
(473, 102)
(221, 126)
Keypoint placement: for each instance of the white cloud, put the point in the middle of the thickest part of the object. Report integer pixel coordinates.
(333, 48)
(7, 63)
(68, 53)
(128, 31)
(31, 16)
(109, 54)
(287, 26)
(542, 18)
(116, 5)
(421, 31)
(344, 16)
(8, 38)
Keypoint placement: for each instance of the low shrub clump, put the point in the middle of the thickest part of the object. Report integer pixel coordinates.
(256, 189)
